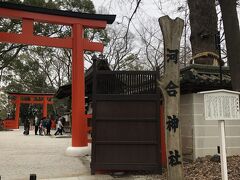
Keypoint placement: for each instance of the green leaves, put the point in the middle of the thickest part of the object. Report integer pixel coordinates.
(84, 6)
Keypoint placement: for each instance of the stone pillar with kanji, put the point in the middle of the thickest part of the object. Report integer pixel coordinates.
(170, 86)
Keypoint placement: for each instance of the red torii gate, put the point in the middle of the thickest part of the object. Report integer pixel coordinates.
(21, 98)
(78, 44)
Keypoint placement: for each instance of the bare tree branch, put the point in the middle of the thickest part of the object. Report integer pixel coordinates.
(130, 20)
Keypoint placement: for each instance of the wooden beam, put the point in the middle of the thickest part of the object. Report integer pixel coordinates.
(35, 40)
(34, 102)
(30, 39)
(32, 95)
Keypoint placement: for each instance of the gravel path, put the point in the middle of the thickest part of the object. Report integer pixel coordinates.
(42, 155)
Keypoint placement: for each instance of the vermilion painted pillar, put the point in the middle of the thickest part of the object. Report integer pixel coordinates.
(79, 124)
(45, 107)
(17, 112)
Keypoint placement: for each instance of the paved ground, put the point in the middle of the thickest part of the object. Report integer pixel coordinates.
(45, 156)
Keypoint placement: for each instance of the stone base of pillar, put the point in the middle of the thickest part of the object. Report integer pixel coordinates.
(79, 151)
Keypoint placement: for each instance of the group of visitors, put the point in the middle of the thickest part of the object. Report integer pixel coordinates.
(42, 126)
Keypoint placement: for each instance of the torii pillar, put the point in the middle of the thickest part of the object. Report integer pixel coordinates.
(79, 123)
(17, 111)
(45, 103)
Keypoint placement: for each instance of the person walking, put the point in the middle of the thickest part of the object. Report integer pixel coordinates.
(36, 123)
(26, 126)
(48, 124)
(44, 126)
(59, 127)
(40, 127)
(63, 120)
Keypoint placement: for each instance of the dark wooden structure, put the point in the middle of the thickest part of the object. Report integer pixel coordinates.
(126, 121)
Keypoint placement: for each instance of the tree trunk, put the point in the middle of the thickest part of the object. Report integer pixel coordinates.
(203, 20)
(232, 37)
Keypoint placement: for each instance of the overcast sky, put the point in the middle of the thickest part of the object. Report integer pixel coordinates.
(150, 8)
(116, 6)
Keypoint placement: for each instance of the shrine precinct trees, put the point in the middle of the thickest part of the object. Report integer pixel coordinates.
(232, 36)
(203, 20)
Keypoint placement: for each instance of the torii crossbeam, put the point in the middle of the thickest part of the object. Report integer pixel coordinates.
(78, 44)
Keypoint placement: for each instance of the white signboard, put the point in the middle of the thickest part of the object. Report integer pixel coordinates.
(221, 105)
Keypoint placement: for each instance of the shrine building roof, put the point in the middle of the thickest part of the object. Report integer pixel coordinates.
(102, 17)
(195, 78)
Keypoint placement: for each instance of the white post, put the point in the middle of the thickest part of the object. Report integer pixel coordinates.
(223, 151)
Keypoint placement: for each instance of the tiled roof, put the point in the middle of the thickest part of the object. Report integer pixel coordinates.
(195, 78)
